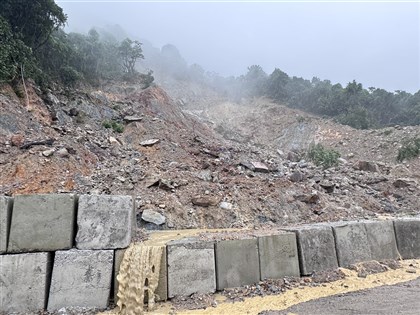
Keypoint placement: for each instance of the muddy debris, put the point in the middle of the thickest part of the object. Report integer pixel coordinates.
(364, 269)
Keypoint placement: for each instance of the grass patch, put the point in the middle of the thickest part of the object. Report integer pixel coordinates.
(409, 150)
(116, 126)
(322, 156)
(387, 132)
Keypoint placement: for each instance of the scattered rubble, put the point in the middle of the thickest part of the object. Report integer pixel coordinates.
(367, 166)
(364, 269)
(260, 167)
(63, 153)
(225, 205)
(48, 153)
(150, 142)
(216, 168)
(132, 118)
(153, 217)
(204, 201)
(297, 176)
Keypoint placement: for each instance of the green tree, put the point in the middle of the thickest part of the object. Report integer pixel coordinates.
(255, 80)
(130, 51)
(35, 20)
(383, 105)
(275, 86)
(413, 109)
(356, 117)
(7, 52)
(15, 56)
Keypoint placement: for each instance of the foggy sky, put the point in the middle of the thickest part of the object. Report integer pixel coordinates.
(377, 44)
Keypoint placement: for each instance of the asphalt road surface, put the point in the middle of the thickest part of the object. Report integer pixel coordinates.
(402, 298)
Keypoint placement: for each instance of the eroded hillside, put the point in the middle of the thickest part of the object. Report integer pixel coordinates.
(202, 162)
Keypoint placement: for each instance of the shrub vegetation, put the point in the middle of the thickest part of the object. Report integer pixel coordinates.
(409, 150)
(322, 156)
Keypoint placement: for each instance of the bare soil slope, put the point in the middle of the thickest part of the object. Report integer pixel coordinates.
(200, 164)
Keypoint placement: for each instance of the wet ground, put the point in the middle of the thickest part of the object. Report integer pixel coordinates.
(394, 287)
(402, 298)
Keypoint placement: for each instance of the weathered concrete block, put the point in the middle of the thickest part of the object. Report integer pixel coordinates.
(278, 256)
(191, 267)
(162, 288)
(81, 278)
(24, 282)
(104, 222)
(381, 237)
(316, 248)
(352, 243)
(237, 263)
(118, 258)
(42, 223)
(5, 217)
(407, 232)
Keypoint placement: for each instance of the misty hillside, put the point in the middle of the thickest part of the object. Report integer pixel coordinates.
(106, 113)
(228, 165)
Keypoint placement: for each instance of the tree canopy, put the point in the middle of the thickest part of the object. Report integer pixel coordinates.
(351, 105)
(130, 51)
(34, 20)
(33, 44)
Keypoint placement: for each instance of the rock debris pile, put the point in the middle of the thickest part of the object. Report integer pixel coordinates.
(201, 165)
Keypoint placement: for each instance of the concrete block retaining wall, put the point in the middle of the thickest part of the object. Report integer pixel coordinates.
(278, 256)
(237, 263)
(65, 250)
(5, 217)
(42, 223)
(58, 250)
(408, 237)
(81, 278)
(316, 248)
(191, 267)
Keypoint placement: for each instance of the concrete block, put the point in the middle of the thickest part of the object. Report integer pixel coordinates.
(104, 222)
(352, 244)
(316, 248)
(407, 233)
(237, 263)
(191, 267)
(278, 256)
(5, 217)
(381, 237)
(118, 258)
(162, 288)
(81, 278)
(42, 223)
(24, 282)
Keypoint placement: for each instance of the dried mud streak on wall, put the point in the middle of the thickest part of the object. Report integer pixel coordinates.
(138, 278)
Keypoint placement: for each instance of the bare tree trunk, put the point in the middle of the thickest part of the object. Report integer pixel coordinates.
(24, 86)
